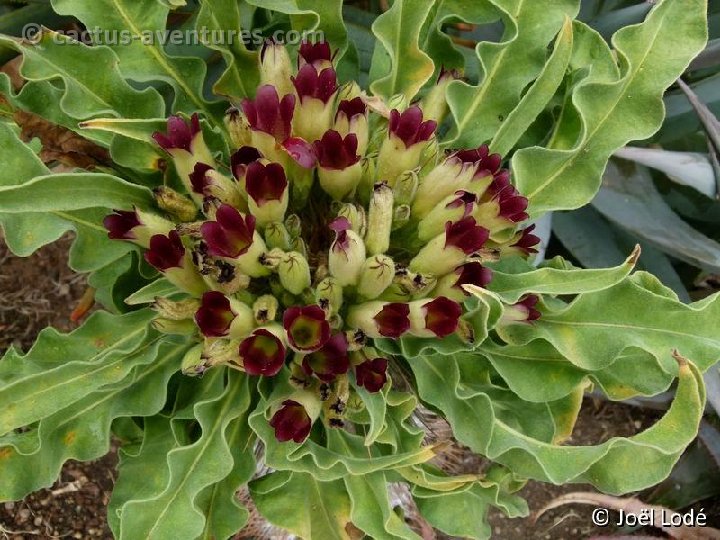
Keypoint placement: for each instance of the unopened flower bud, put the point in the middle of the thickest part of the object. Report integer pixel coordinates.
(367, 180)
(175, 310)
(406, 187)
(380, 215)
(401, 216)
(277, 236)
(265, 309)
(193, 364)
(169, 326)
(294, 272)
(293, 225)
(185, 144)
(329, 295)
(446, 251)
(275, 66)
(355, 214)
(434, 104)
(347, 253)
(352, 117)
(136, 225)
(434, 318)
(175, 204)
(217, 352)
(299, 245)
(377, 275)
(238, 128)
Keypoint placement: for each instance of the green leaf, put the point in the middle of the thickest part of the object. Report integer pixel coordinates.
(506, 67)
(612, 112)
(159, 287)
(223, 18)
(33, 459)
(617, 466)
(512, 286)
(93, 84)
(538, 95)
(647, 315)
(73, 191)
(173, 512)
(102, 352)
(401, 68)
(141, 54)
(317, 509)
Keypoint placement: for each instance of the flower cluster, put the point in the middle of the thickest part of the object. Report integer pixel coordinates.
(336, 222)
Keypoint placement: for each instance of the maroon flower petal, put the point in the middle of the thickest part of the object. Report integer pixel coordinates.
(311, 84)
(199, 179)
(329, 361)
(372, 374)
(120, 224)
(165, 252)
(351, 108)
(409, 127)
(466, 235)
(231, 235)
(291, 421)
(472, 273)
(527, 304)
(334, 152)
(393, 320)
(265, 183)
(241, 158)
(464, 199)
(214, 315)
(442, 316)
(306, 327)
(341, 225)
(262, 353)
(269, 114)
(301, 151)
(179, 133)
(314, 53)
(527, 241)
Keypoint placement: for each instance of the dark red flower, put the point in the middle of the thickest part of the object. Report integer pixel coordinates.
(179, 133)
(472, 273)
(231, 235)
(214, 315)
(463, 199)
(262, 353)
(527, 241)
(334, 152)
(351, 108)
(372, 374)
(329, 361)
(291, 421)
(512, 204)
(316, 54)
(480, 156)
(409, 126)
(165, 252)
(466, 235)
(311, 84)
(121, 223)
(199, 179)
(306, 327)
(527, 304)
(441, 316)
(393, 320)
(265, 183)
(241, 158)
(269, 114)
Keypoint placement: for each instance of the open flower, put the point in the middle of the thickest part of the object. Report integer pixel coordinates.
(381, 319)
(136, 226)
(267, 189)
(307, 328)
(291, 422)
(319, 55)
(329, 361)
(231, 235)
(316, 90)
(165, 251)
(409, 127)
(524, 242)
(372, 374)
(240, 159)
(339, 169)
(443, 253)
(262, 353)
(437, 318)
(352, 117)
(214, 316)
(269, 114)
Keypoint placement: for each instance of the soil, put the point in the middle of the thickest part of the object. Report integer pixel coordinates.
(41, 290)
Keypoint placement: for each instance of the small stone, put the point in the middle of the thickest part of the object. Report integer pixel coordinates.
(37, 521)
(24, 514)
(9, 505)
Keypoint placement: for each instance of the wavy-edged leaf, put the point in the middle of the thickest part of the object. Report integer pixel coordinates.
(159, 287)
(511, 286)
(537, 96)
(104, 352)
(647, 315)
(173, 511)
(402, 67)
(318, 509)
(617, 466)
(141, 53)
(32, 460)
(506, 68)
(651, 55)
